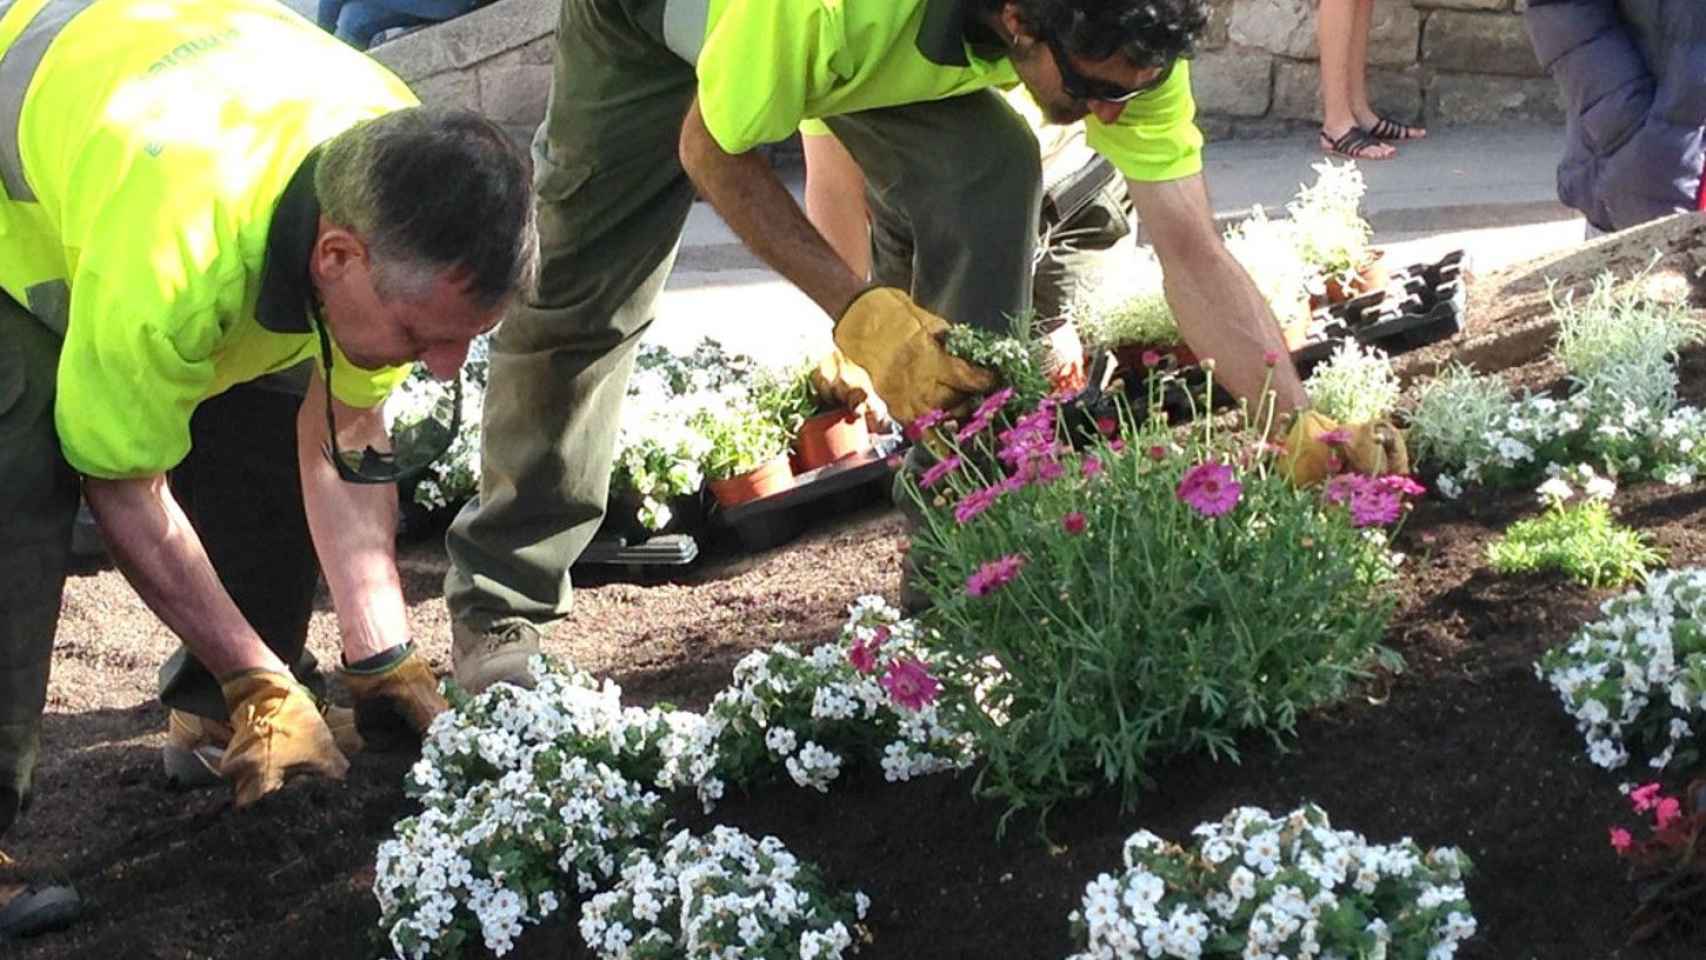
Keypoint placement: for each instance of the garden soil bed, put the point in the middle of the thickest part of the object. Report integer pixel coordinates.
(1465, 747)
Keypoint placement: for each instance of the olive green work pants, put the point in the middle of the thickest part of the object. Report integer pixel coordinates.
(960, 177)
(239, 486)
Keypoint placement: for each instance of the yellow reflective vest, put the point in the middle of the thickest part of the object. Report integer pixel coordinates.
(143, 147)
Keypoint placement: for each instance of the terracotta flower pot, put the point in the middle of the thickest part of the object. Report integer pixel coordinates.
(830, 436)
(1370, 277)
(771, 477)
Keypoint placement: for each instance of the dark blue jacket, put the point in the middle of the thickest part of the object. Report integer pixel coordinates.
(1633, 78)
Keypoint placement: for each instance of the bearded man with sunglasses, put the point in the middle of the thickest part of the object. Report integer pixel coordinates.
(224, 237)
(653, 100)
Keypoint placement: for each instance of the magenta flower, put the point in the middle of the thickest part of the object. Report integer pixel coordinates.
(993, 403)
(1210, 489)
(863, 656)
(1106, 426)
(1400, 484)
(938, 470)
(1620, 840)
(1341, 488)
(1270, 357)
(1116, 445)
(1336, 437)
(972, 429)
(924, 422)
(994, 575)
(910, 684)
(1157, 452)
(1091, 467)
(1645, 797)
(1151, 358)
(976, 502)
(1372, 505)
(1049, 471)
(1668, 811)
(1073, 522)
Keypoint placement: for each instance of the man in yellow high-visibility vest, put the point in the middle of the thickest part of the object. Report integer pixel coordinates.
(224, 237)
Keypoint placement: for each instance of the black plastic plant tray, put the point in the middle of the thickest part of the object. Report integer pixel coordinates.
(664, 550)
(827, 491)
(1424, 304)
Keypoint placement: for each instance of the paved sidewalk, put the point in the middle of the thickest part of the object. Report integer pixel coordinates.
(1485, 189)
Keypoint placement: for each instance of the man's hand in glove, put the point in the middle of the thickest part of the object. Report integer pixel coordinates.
(902, 346)
(841, 382)
(1319, 446)
(279, 734)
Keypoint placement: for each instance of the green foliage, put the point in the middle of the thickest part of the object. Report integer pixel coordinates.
(1142, 319)
(1354, 385)
(1016, 357)
(1456, 416)
(1618, 343)
(787, 397)
(1580, 539)
(741, 438)
(1132, 627)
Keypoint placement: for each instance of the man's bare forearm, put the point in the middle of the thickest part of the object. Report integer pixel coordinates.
(152, 541)
(354, 526)
(761, 211)
(1222, 315)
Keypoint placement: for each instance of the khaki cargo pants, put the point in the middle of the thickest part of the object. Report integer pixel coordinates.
(960, 177)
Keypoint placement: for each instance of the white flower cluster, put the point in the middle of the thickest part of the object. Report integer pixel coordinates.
(1354, 385)
(1636, 678)
(455, 476)
(721, 897)
(468, 862)
(1275, 888)
(807, 712)
(1557, 487)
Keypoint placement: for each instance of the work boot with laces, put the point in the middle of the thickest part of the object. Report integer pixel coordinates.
(195, 745)
(395, 703)
(500, 654)
(277, 733)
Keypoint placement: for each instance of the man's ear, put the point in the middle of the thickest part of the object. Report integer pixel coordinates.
(1013, 25)
(336, 250)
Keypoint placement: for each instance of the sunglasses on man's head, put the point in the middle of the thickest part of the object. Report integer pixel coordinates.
(1080, 87)
(415, 443)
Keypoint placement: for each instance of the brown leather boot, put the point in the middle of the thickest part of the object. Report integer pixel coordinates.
(277, 733)
(499, 655)
(395, 705)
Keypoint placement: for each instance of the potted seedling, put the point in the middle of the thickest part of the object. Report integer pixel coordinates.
(1332, 236)
(747, 455)
(823, 432)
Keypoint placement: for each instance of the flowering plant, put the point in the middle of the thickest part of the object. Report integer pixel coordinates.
(1354, 385)
(868, 697)
(1635, 680)
(1332, 235)
(454, 476)
(1017, 357)
(1581, 539)
(1098, 609)
(1259, 887)
(658, 459)
(1669, 865)
(722, 896)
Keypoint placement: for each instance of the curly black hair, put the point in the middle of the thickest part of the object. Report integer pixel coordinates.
(1151, 33)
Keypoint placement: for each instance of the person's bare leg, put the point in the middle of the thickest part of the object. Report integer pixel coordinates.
(1336, 35)
(1357, 76)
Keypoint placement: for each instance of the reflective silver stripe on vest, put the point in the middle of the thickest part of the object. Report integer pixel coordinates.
(50, 302)
(17, 67)
(684, 27)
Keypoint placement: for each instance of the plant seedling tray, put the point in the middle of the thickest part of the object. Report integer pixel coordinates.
(829, 490)
(664, 550)
(1423, 304)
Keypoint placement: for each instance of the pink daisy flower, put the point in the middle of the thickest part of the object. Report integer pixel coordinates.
(910, 684)
(1210, 489)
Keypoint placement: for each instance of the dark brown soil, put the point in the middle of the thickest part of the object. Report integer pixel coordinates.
(1466, 747)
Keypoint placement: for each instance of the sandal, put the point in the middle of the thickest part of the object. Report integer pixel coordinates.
(34, 910)
(1385, 129)
(1357, 144)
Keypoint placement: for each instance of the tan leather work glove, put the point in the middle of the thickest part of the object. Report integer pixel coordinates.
(1319, 446)
(278, 733)
(840, 382)
(395, 705)
(901, 345)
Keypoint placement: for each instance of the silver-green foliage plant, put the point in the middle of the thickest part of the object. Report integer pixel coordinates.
(1635, 679)
(1457, 416)
(1620, 346)
(1354, 385)
(1256, 885)
(1096, 611)
(1144, 319)
(1580, 539)
(1332, 235)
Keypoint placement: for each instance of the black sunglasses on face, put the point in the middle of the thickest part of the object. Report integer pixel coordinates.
(413, 447)
(1080, 87)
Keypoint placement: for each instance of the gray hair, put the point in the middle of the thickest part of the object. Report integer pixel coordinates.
(431, 190)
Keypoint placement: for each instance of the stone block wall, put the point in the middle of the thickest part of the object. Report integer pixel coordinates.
(1438, 62)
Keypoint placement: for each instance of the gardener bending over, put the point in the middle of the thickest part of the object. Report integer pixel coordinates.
(652, 99)
(194, 195)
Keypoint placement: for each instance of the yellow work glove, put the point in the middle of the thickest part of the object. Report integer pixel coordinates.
(277, 733)
(902, 346)
(395, 705)
(1319, 446)
(840, 382)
